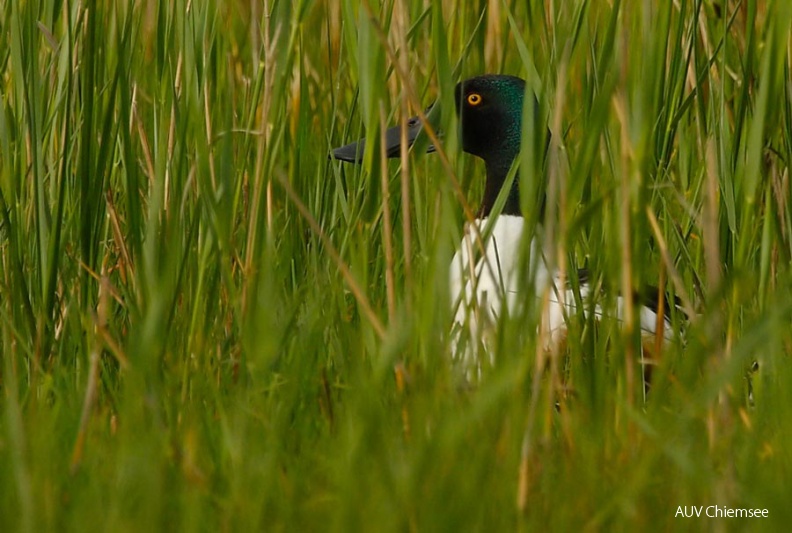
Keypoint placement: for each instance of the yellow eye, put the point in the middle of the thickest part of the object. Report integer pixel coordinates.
(474, 99)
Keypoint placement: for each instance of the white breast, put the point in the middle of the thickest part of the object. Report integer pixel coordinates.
(479, 293)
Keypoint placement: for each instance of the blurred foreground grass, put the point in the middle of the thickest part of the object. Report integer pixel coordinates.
(179, 350)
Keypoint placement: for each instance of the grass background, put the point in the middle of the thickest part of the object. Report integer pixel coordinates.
(181, 349)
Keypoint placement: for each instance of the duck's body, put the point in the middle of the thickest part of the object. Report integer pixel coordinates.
(487, 274)
(481, 295)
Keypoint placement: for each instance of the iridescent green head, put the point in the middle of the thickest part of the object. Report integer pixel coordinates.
(490, 117)
(490, 110)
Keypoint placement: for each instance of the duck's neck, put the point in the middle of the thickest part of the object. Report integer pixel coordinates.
(496, 178)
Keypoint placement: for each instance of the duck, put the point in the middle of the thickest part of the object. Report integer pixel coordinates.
(486, 274)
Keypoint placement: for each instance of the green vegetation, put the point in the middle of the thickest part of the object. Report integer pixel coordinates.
(181, 349)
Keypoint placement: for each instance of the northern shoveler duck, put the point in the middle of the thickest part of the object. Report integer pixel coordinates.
(490, 111)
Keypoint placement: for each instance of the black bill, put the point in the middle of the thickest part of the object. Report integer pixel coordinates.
(353, 152)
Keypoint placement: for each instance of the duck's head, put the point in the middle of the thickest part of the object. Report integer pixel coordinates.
(490, 117)
(490, 110)
(490, 120)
